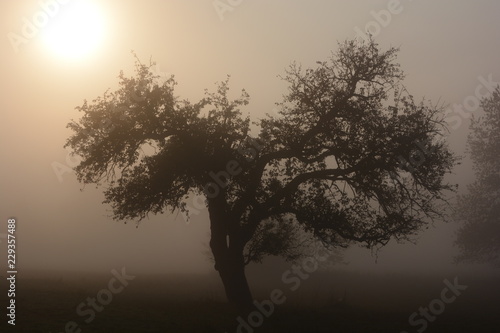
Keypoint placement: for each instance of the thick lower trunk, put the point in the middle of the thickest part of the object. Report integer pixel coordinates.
(231, 267)
(227, 249)
(236, 285)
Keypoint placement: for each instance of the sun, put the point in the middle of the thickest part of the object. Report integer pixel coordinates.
(76, 31)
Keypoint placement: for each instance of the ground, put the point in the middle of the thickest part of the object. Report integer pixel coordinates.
(336, 301)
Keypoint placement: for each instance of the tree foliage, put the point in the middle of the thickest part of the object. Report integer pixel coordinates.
(350, 158)
(479, 237)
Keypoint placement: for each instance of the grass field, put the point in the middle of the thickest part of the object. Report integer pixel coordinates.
(327, 302)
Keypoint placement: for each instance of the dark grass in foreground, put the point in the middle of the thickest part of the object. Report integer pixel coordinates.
(195, 304)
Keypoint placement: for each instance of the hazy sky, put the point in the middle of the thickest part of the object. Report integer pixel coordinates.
(445, 46)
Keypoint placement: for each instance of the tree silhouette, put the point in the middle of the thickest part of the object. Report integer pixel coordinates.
(479, 237)
(350, 158)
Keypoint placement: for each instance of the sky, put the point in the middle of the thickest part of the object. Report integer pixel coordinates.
(449, 50)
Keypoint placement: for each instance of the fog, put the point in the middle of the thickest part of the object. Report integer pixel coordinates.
(445, 47)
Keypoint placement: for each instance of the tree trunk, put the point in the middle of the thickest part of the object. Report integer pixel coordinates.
(228, 255)
(235, 284)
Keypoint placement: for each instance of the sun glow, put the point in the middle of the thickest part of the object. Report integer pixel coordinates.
(77, 31)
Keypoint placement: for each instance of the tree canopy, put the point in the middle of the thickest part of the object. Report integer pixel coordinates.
(351, 157)
(478, 238)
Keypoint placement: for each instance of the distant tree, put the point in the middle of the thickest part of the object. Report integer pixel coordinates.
(350, 158)
(479, 237)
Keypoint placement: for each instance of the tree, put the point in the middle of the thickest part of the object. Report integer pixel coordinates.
(478, 238)
(350, 158)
